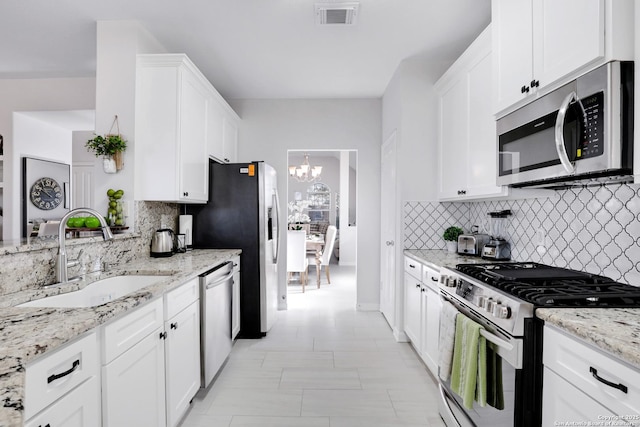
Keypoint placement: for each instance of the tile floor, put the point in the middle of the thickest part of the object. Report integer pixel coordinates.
(323, 364)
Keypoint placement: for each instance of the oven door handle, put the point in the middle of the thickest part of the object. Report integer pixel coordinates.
(496, 340)
(560, 147)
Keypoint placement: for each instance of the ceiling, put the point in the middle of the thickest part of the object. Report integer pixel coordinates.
(248, 48)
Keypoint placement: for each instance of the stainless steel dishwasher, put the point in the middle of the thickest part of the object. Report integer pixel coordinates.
(215, 330)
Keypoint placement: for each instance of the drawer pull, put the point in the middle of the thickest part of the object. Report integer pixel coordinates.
(54, 377)
(174, 325)
(623, 388)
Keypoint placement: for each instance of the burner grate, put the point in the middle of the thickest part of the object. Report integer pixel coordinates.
(547, 286)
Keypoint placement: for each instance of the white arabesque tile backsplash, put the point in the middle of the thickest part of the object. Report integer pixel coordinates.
(594, 229)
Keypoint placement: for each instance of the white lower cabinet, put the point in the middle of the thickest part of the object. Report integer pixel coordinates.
(412, 303)
(422, 311)
(133, 385)
(152, 361)
(182, 363)
(430, 318)
(78, 408)
(584, 386)
(63, 388)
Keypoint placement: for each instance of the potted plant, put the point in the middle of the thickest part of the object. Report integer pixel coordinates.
(451, 237)
(110, 147)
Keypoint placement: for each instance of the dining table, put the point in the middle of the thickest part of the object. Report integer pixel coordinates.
(315, 243)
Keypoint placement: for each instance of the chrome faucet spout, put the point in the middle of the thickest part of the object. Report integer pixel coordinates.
(61, 262)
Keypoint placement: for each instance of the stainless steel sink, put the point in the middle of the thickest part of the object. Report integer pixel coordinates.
(97, 293)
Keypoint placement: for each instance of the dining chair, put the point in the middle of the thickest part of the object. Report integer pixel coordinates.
(325, 257)
(297, 261)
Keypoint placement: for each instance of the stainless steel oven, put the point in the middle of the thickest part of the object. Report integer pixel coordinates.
(502, 297)
(515, 338)
(578, 134)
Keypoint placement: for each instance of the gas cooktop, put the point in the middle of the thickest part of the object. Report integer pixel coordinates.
(547, 286)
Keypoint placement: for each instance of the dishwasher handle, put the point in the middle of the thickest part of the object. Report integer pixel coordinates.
(218, 282)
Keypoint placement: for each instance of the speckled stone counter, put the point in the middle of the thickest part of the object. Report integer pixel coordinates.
(438, 258)
(614, 330)
(27, 333)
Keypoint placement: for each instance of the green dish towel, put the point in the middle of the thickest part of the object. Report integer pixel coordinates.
(495, 393)
(469, 370)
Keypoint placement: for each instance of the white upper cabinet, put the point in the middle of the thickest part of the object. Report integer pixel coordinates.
(540, 44)
(466, 126)
(172, 103)
(181, 121)
(223, 127)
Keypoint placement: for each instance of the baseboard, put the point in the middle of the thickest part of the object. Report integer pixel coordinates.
(368, 307)
(400, 336)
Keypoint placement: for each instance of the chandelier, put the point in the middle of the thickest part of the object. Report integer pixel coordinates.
(305, 172)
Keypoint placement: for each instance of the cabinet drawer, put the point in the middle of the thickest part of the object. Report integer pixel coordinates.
(181, 298)
(574, 361)
(49, 378)
(81, 407)
(413, 267)
(430, 277)
(126, 332)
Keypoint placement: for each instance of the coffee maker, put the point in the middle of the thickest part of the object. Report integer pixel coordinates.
(497, 248)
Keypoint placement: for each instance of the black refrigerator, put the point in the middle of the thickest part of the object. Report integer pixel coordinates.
(242, 213)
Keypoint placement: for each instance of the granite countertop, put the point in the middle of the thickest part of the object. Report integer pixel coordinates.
(28, 332)
(438, 258)
(613, 330)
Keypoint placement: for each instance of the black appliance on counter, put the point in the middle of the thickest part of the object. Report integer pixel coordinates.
(242, 213)
(502, 297)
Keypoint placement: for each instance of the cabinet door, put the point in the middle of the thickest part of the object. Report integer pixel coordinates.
(431, 325)
(193, 162)
(215, 130)
(482, 146)
(512, 49)
(133, 386)
(561, 401)
(230, 140)
(412, 304)
(78, 408)
(560, 24)
(182, 352)
(235, 306)
(453, 140)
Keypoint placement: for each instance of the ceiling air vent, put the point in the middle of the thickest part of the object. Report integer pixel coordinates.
(337, 13)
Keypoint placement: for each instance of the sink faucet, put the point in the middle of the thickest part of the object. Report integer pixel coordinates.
(61, 262)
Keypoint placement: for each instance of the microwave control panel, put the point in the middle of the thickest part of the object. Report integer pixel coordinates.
(591, 143)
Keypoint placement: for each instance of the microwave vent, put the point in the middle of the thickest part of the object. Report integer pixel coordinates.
(337, 13)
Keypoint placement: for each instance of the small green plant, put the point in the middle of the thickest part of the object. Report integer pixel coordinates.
(107, 145)
(451, 234)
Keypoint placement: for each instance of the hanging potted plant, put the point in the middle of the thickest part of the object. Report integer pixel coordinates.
(451, 238)
(110, 147)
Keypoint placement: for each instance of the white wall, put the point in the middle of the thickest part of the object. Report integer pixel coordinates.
(24, 95)
(117, 46)
(409, 108)
(271, 127)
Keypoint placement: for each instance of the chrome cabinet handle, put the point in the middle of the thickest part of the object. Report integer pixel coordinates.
(560, 148)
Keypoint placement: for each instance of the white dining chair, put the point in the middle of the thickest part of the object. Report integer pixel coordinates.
(297, 261)
(327, 250)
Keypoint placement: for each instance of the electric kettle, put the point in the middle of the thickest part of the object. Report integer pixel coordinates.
(162, 243)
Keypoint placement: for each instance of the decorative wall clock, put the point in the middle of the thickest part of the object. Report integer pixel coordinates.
(46, 194)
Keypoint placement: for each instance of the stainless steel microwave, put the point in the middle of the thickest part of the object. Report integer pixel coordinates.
(578, 134)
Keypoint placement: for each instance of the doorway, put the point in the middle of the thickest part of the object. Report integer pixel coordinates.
(322, 188)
